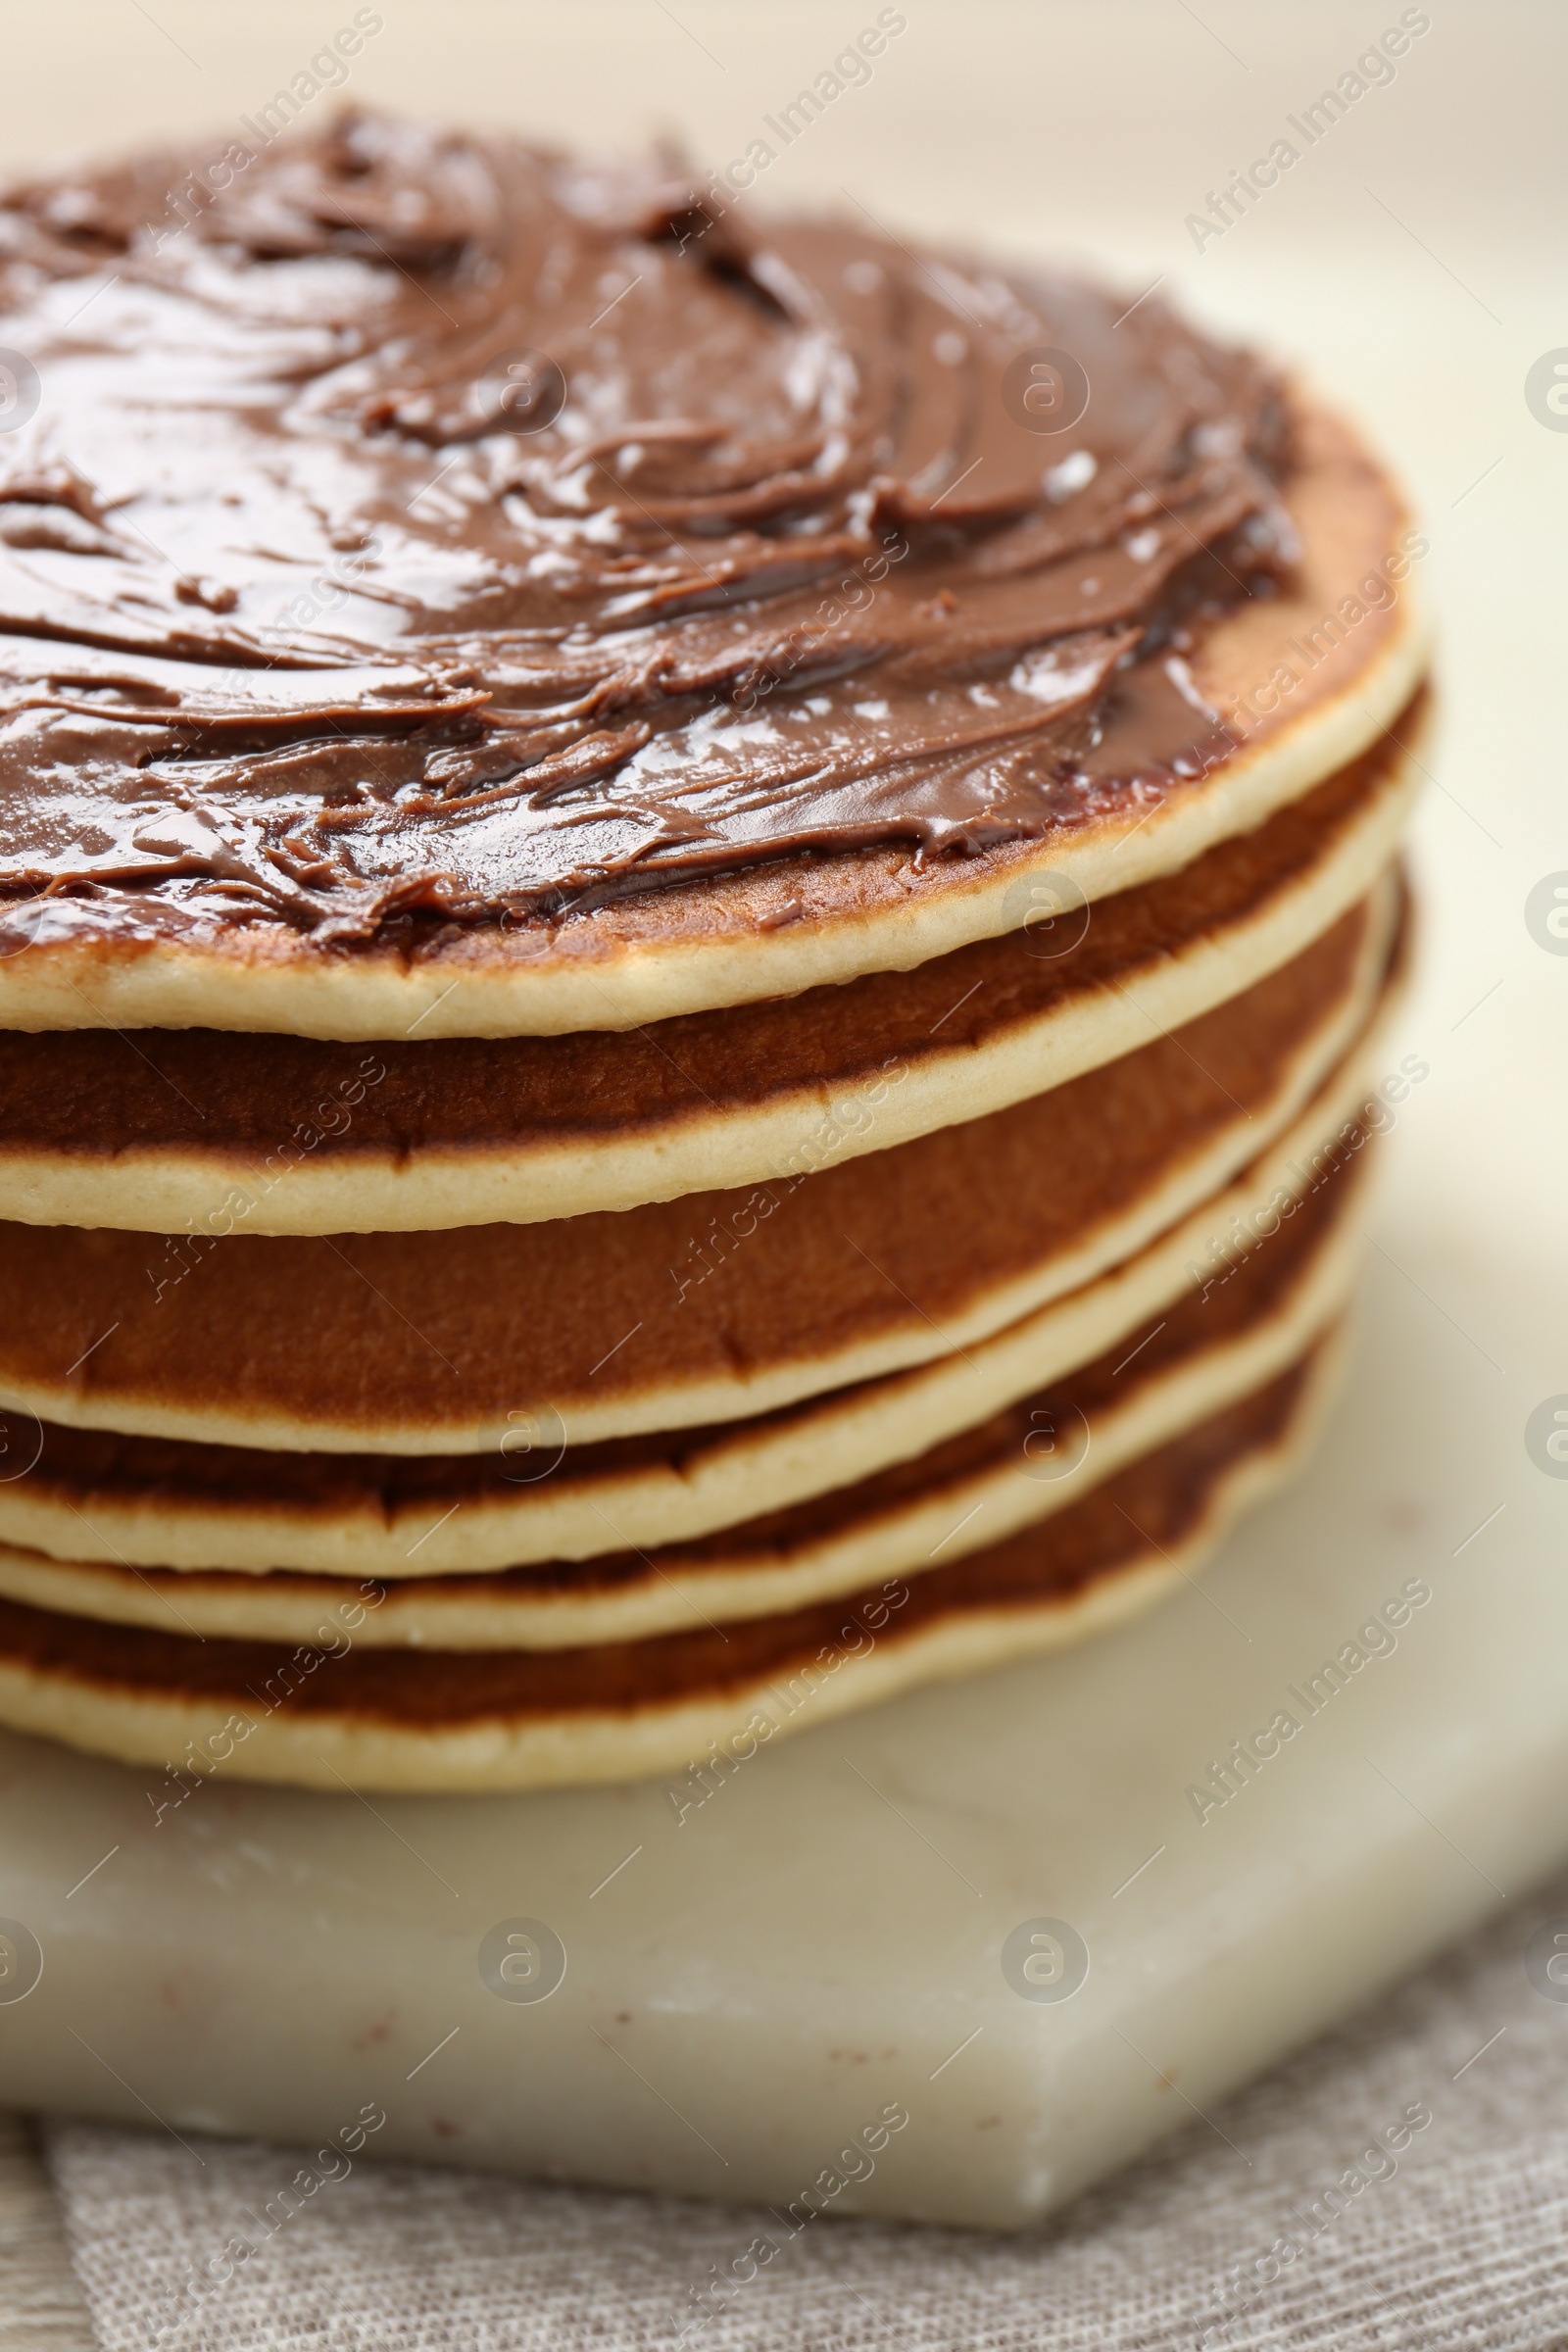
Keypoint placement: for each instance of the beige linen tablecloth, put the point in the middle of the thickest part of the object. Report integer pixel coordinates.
(1284, 2220)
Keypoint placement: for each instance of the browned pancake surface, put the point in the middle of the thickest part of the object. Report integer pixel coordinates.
(1239, 1300)
(1152, 1507)
(456, 1327)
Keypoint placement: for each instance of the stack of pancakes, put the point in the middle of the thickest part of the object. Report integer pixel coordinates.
(696, 927)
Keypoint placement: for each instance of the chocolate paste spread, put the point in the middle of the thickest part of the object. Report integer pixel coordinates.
(399, 522)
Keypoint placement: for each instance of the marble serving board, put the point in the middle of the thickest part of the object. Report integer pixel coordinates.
(951, 1959)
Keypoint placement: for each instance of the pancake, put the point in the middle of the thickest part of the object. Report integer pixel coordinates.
(1026, 1461)
(503, 1337)
(209, 1133)
(515, 1718)
(83, 1496)
(366, 672)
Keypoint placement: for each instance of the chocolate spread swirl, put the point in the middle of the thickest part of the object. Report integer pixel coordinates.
(414, 524)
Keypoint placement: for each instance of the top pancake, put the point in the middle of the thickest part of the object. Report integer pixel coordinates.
(345, 699)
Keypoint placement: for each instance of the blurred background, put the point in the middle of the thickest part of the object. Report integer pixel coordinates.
(1409, 260)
